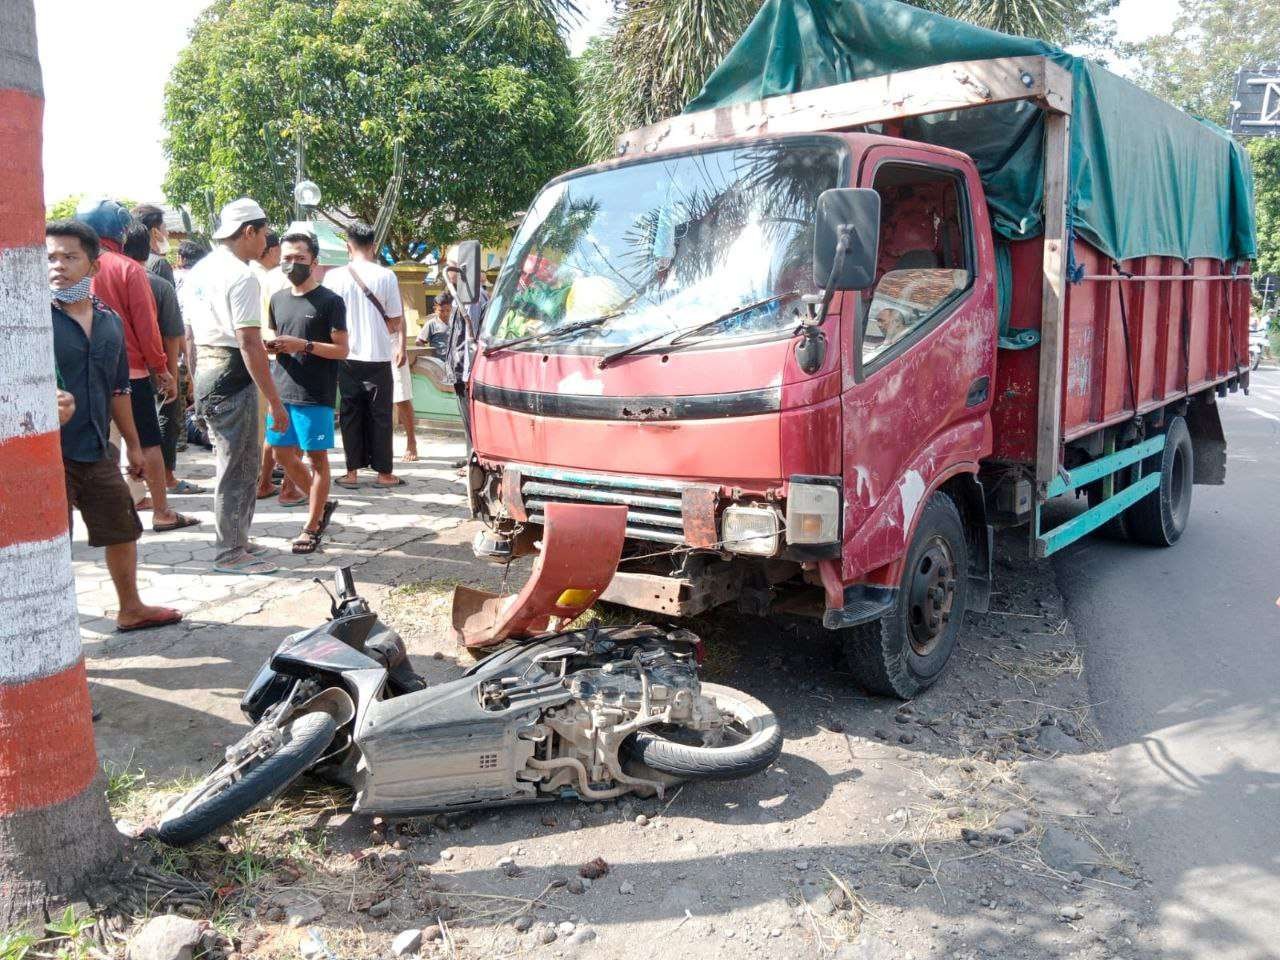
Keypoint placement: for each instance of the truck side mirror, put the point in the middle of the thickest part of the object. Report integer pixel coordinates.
(855, 213)
(468, 272)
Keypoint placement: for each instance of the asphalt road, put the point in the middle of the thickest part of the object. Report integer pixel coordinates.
(1183, 666)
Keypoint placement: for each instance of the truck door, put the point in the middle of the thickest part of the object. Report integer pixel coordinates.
(918, 352)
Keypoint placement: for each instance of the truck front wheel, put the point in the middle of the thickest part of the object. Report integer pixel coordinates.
(1160, 517)
(903, 653)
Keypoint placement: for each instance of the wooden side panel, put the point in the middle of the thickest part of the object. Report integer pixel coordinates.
(1171, 352)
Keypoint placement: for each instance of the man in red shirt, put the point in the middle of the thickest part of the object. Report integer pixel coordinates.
(121, 283)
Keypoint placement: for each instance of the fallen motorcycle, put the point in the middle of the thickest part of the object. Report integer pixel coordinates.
(593, 713)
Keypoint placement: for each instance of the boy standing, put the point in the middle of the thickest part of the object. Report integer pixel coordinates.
(310, 325)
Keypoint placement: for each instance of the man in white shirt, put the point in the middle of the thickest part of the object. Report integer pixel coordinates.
(222, 302)
(375, 332)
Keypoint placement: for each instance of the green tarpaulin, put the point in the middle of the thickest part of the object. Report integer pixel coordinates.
(1146, 178)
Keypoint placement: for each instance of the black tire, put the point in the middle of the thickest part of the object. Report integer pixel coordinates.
(305, 741)
(761, 747)
(1117, 528)
(905, 651)
(1160, 517)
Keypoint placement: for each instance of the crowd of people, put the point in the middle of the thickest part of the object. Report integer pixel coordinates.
(244, 337)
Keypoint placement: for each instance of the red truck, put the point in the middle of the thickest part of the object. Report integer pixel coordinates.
(773, 332)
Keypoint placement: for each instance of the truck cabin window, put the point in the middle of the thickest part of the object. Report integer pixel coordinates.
(924, 255)
(722, 237)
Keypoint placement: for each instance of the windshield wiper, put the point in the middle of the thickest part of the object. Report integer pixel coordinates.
(679, 335)
(553, 332)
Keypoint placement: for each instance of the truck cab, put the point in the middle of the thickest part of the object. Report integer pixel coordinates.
(658, 339)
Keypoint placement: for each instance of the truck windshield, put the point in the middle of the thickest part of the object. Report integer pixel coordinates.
(662, 246)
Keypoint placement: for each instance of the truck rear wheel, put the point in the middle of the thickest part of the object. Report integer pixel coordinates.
(1160, 517)
(903, 653)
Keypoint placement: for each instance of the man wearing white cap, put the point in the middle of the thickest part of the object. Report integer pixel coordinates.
(222, 301)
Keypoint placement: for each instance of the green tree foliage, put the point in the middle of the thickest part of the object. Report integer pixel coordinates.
(1265, 155)
(484, 116)
(1194, 65)
(65, 208)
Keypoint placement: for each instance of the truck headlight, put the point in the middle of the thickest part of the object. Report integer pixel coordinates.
(752, 530)
(813, 510)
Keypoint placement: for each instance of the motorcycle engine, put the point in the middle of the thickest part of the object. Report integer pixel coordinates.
(650, 682)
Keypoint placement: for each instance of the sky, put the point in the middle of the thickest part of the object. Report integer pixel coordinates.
(106, 62)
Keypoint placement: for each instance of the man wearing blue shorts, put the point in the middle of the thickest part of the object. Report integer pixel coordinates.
(311, 337)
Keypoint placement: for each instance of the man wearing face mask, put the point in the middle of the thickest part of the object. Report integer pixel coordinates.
(93, 366)
(311, 337)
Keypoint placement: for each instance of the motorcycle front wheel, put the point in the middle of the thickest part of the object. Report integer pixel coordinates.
(751, 741)
(233, 790)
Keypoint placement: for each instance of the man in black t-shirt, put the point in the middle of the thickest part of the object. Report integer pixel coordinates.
(311, 337)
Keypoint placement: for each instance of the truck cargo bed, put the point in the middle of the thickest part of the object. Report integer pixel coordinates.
(1187, 331)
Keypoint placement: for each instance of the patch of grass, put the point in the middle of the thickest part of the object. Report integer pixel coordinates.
(1041, 666)
(433, 587)
(15, 944)
(122, 784)
(608, 615)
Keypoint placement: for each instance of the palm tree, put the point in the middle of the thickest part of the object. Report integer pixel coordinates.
(55, 830)
(656, 54)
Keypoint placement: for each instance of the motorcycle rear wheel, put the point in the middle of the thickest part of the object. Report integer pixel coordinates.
(204, 809)
(758, 744)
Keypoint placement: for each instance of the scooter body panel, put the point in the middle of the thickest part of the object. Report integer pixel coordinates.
(442, 749)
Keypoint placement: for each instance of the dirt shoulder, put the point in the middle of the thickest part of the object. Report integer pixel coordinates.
(973, 822)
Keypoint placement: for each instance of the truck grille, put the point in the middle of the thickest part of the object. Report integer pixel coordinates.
(654, 507)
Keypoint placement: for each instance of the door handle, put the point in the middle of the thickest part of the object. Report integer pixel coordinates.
(978, 391)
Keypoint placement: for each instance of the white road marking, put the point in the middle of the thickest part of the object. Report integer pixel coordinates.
(1263, 413)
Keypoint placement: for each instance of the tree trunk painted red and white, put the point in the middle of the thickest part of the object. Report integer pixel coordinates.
(55, 830)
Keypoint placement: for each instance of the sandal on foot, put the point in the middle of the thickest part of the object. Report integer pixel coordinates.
(348, 484)
(178, 523)
(270, 493)
(184, 487)
(329, 507)
(306, 542)
(293, 503)
(166, 616)
(399, 482)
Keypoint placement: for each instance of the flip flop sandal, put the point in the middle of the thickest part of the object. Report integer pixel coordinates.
(177, 524)
(387, 486)
(270, 494)
(159, 620)
(293, 503)
(348, 484)
(256, 549)
(329, 507)
(246, 568)
(183, 487)
(306, 542)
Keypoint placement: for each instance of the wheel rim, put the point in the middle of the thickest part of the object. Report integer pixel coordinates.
(931, 596)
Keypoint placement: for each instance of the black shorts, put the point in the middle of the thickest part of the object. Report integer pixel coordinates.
(145, 417)
(100, 494)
